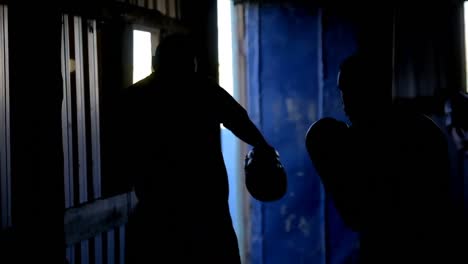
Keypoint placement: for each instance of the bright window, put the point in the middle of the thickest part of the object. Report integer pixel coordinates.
(142, 55)
(225, 46)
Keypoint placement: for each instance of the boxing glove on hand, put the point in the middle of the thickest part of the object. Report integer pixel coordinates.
(265, 176)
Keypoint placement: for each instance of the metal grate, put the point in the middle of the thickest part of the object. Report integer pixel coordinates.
(81, 136)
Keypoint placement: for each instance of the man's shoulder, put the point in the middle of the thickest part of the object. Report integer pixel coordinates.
(142, 84)
(417, 127)
(206, 86)
(141, 89)
(206, 81)
(210, 80)
(414, 119)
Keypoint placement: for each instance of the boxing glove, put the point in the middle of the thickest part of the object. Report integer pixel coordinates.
(265, 176)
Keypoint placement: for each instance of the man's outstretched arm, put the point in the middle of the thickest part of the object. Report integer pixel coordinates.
(235, 118)
(265, 176)
(246, 130)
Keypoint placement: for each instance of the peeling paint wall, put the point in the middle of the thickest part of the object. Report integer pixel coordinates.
(293, 57)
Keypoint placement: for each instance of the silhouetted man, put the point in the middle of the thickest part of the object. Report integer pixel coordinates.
(387, 172)
(171, 131)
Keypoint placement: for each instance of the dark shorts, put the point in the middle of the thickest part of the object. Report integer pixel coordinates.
(176, 237)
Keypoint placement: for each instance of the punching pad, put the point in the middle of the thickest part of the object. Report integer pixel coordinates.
(336, 160)
(327, 143)
(326, 140)
(265, 176)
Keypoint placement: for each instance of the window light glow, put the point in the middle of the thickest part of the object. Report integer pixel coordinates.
(142, 55)
(225, 46)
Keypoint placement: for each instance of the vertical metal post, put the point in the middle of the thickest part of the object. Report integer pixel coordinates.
(172, 8)
(110, 247)
(4, 182)
(5, 176)
(67, 115)
(122, 244)
(178, 9)
(67, 131)
(7, 115)
(95, 124)
(80, 107)
(94, 104)
(150, 4)
(141, 3)
(394, 88)
(161, 6)
(81, 125)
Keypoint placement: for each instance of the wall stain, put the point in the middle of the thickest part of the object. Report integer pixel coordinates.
(289, 221)
(304, 226)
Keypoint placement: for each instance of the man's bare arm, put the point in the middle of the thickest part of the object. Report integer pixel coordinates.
(235, 118)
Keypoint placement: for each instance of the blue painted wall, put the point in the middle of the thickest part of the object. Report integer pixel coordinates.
(293, 57)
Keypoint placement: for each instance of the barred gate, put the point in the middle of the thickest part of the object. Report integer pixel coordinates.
(94, 226)
(80, 117)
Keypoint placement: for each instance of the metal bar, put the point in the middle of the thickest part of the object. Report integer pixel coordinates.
(111, 247)
(122, 244)
(67, 115)
(81, 124)
(172, 8)
(7, 115)
(98, 249)
(141, 3)
(80, 106)
(5, 181)
(161, 6)
(94, 103)
(67, 126)
(84, 252)
(70, 254)
(177, 9)
(151, 4)
(394, 91)
(3, 175)
(64, 110)
(95, 132)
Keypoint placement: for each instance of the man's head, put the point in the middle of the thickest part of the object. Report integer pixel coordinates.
(175, 54)
(364, 86)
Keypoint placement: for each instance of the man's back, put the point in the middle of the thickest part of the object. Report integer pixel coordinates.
(407, 216)
(172, 127)
(176, 136)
